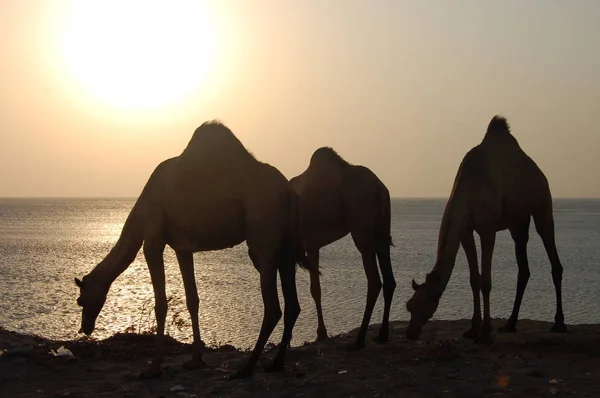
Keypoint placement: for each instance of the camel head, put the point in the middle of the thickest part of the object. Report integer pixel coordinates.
(91, 299)
(422, 305)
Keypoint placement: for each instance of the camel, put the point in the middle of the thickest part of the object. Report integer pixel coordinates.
(337, 198)
(497, 187)
(214, 195)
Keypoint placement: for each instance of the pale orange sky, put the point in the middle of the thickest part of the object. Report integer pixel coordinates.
(403, 87)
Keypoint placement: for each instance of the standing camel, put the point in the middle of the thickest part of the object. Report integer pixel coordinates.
(337, 198)
(497, 187)
(213, 196)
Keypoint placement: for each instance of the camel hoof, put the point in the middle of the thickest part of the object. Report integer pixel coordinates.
(195, 363)
(471, 334)
(241, 374)
(508, 328)
(322, 336)
(152, 372)
(559, 328)
(356, 346)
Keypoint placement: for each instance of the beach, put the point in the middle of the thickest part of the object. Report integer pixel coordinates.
(530, 363)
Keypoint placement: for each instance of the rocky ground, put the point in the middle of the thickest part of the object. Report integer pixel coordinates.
(530, 363)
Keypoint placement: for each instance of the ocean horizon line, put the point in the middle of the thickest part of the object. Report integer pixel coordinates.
(135, 197)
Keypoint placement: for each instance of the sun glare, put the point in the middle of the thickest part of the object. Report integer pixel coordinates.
(139, 54)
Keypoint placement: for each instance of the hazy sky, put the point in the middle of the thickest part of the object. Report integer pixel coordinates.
(93, 95)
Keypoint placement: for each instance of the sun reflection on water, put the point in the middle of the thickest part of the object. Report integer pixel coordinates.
(45, 243)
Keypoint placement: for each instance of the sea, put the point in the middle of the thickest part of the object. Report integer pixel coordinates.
(46, 243)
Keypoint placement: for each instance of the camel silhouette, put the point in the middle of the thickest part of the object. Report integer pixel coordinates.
(336, 199)
(213, 196)
(497, 187)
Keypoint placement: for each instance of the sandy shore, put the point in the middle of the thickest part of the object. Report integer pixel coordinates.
(530, 363)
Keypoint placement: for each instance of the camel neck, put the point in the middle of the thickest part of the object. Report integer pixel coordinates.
(122, 254)
(449, 242)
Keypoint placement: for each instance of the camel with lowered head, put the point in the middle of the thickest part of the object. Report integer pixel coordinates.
(213, 196)
(337, 198)
(497, 187)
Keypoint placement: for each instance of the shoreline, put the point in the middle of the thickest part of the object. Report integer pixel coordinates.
(531, 362)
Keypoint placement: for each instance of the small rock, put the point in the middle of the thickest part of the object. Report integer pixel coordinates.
(269, 346)
(227, 347)
(61, 352)
(177, 388)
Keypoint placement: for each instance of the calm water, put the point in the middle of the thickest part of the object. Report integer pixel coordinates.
(44, 243)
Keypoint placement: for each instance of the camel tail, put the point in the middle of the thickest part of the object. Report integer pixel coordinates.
(385, 232)
(304, 262)
(295, 237)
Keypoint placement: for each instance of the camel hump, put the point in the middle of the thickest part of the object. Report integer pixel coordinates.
(213, 138)
(327, 156)
(498, 130)
(498, 124)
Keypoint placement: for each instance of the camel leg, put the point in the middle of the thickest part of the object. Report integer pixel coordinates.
(153, 252)
(520, 235)
(315, 291)
(488, 239)
(287, 274)
(389, 285)
(373, 289)
(254, 259)
(468, 244)
(544, 224)
(186, 266)
(272, 315)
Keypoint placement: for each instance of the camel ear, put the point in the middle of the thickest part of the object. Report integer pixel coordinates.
(415, 285)
(78, 282)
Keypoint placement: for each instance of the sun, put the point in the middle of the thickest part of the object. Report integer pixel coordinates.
(138, 54)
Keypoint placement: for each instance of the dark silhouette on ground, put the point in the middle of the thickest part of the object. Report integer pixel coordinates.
(532, 363)
(213, 196)
(337, 199)
(497, 187)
